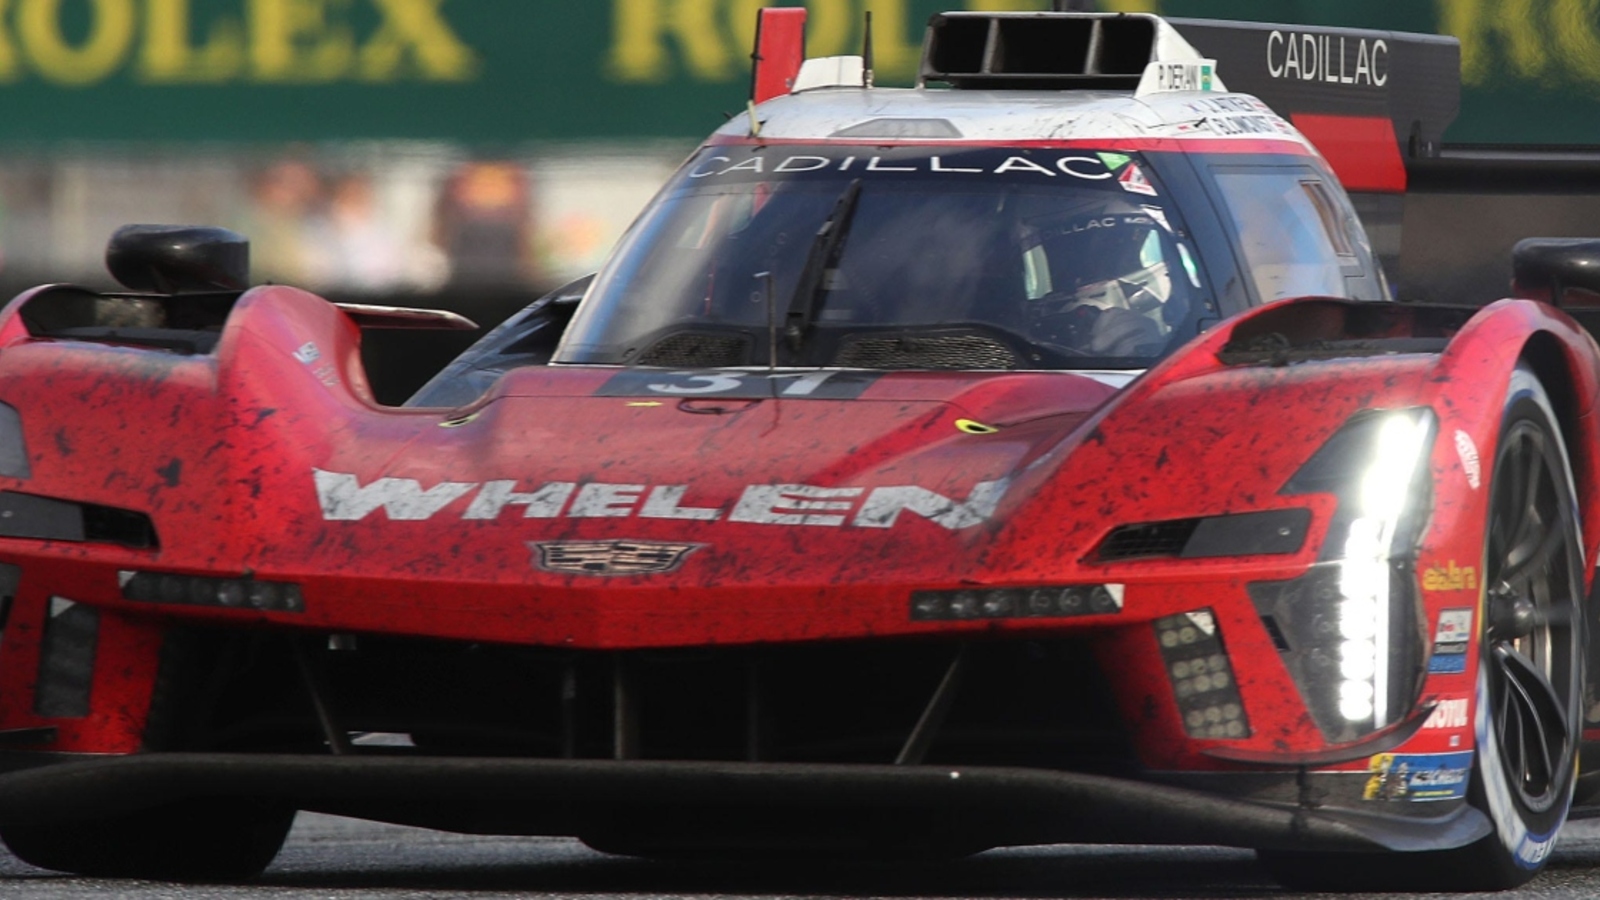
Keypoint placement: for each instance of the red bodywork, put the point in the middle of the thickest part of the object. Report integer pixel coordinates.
(780, 577)
(221, 452)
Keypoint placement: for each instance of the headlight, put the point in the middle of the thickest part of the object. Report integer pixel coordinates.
(1350, 630)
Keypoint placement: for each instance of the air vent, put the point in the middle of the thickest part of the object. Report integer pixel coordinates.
(46, 518)
(698, 350)
(1273, 531)
(1039, 50)
(1147, 540)
(955, 351)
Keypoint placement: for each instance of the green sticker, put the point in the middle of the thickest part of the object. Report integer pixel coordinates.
(1205, 78)
(1114, 160)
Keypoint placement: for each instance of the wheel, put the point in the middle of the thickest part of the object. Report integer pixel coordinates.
(1529, 682)
(1530, 671)
(213, 840)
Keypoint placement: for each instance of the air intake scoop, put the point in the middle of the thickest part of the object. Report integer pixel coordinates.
(1043, 51)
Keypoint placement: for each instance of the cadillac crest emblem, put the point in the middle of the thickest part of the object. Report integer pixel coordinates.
(621, 557)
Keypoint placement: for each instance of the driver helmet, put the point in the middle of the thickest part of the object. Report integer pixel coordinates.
(1112, 260)
(1100, 282)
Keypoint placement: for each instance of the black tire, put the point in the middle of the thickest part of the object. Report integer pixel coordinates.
(1529, 681)
(207, 841)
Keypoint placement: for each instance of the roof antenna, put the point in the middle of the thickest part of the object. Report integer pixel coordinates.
(866, 53)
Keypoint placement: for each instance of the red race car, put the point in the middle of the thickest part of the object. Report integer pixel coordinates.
(1037, 459)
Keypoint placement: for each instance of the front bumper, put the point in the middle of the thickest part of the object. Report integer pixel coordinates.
(682, 805)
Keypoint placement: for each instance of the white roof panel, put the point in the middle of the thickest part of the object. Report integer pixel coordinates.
(895, 115)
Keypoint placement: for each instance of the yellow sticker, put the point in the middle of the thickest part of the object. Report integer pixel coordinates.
(971, 427)
(645, 403)
(458, 422)
(1450, 577)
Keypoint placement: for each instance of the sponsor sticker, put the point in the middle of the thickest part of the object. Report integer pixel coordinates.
(1418, 776)
(1448, 714)
(308, 353)
(1455, 627)
(1470, 465)
(1450, 577)
(344, 498)
(1132, 180)
(1450, 638)
(1328, 59)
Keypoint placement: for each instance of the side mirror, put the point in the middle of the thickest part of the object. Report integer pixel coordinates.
(179, 259)
(1560, 271)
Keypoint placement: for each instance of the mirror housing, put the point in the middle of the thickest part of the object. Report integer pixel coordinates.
(1564, 272)
(179, 259)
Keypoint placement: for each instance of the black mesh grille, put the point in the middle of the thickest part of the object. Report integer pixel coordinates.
(961, 351)
(772, 703)
(698, 350)
(1149, 539)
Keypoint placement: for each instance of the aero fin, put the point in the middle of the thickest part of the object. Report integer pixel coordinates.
(780, 51)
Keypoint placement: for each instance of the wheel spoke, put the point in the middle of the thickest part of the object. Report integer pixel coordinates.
(1509, 503)
(1517, 499)
(1531, 529)
(1533, 725)
(1533, 753)
(1509, 732)
(1534, 563)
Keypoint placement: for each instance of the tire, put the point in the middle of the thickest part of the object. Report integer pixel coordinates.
(207, 841)
(1529, 677)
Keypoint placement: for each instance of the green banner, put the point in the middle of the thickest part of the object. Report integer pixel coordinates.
(486, 72)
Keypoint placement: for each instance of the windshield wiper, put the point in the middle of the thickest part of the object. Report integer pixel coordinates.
(824, 256)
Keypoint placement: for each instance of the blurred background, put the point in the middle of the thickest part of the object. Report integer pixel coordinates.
(473, 154)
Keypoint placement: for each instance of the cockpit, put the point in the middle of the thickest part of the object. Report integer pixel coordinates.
(897, 258)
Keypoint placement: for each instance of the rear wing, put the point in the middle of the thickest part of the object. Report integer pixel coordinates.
(1373, 102)
(1369, 100)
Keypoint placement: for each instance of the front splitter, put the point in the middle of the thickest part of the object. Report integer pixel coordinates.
(721, 804)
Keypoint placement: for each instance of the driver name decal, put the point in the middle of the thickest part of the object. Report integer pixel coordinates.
(343, 498)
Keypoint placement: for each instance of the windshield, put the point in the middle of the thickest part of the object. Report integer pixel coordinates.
(911, 258)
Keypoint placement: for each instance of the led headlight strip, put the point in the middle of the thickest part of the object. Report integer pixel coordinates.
(1014, 603)
(196, 590)
(1381, 496)
(1348, 629)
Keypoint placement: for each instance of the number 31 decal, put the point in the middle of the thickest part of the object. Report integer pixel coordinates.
(819, 385)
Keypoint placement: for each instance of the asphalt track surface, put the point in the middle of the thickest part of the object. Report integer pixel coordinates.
(333, 859)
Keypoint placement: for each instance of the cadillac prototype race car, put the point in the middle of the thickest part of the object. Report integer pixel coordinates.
(1031, 456)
